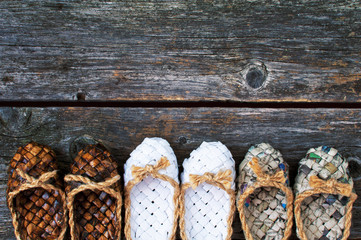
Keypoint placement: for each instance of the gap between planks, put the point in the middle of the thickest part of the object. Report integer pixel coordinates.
(183, 104)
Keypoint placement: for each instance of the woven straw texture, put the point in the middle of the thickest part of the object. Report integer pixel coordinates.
(94, 199)
(264, 197)
(152, 191)
(324, 195)
(208, 197)
(35, 200)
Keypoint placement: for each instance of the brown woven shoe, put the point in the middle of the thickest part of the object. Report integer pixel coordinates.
(36, 203)
(93, 192)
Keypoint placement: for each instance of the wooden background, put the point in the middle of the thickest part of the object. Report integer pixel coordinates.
(241, 72)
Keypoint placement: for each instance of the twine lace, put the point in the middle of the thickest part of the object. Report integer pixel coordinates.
(264, 177)
(223, 178)
(330, 185)
(140, 173)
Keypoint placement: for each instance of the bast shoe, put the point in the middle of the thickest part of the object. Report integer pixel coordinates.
(207, 202)
(151, 191)
(93, 194)
(264, 197)
(324, 196)
(35, 199)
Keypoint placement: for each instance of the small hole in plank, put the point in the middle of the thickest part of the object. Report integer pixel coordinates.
(255, 78)
(182, 140)
(355, 167)
(59, 6)
(80, 96)
(7, 79)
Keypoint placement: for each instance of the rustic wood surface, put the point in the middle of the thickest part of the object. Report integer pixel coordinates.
(260, 50)
(292, 131)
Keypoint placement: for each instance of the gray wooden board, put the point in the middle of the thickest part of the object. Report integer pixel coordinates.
(292, 131)
(181, 50)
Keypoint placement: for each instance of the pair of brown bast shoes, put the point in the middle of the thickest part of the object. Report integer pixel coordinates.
(39, 206)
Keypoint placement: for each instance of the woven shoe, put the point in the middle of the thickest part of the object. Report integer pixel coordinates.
(36, 202)
(324, 195)
(207, 201)
(265, 199)
(151, 191)
(93, 193)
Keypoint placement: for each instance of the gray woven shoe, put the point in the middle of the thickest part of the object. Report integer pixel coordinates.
(324, 195)
(264, 197)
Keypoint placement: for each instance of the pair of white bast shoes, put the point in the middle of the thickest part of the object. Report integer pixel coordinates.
(154, 199)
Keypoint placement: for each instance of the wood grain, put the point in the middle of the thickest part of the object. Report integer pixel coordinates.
(292, 131)
(263, 51)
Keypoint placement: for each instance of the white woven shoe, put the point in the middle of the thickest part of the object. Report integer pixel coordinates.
(151, 191)
(207, 201)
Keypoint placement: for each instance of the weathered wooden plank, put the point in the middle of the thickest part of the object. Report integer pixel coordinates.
(181, 50)
(292, 131)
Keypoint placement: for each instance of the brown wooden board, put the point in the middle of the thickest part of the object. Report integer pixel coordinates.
(193, 50)
(292, 131)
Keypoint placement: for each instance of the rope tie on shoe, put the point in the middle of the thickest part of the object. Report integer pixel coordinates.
(331, 185)
(93, 186)
(276, 180)
(264, 177)
(139, 173)
(223, 178)
(32, 182)
(89, 184)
